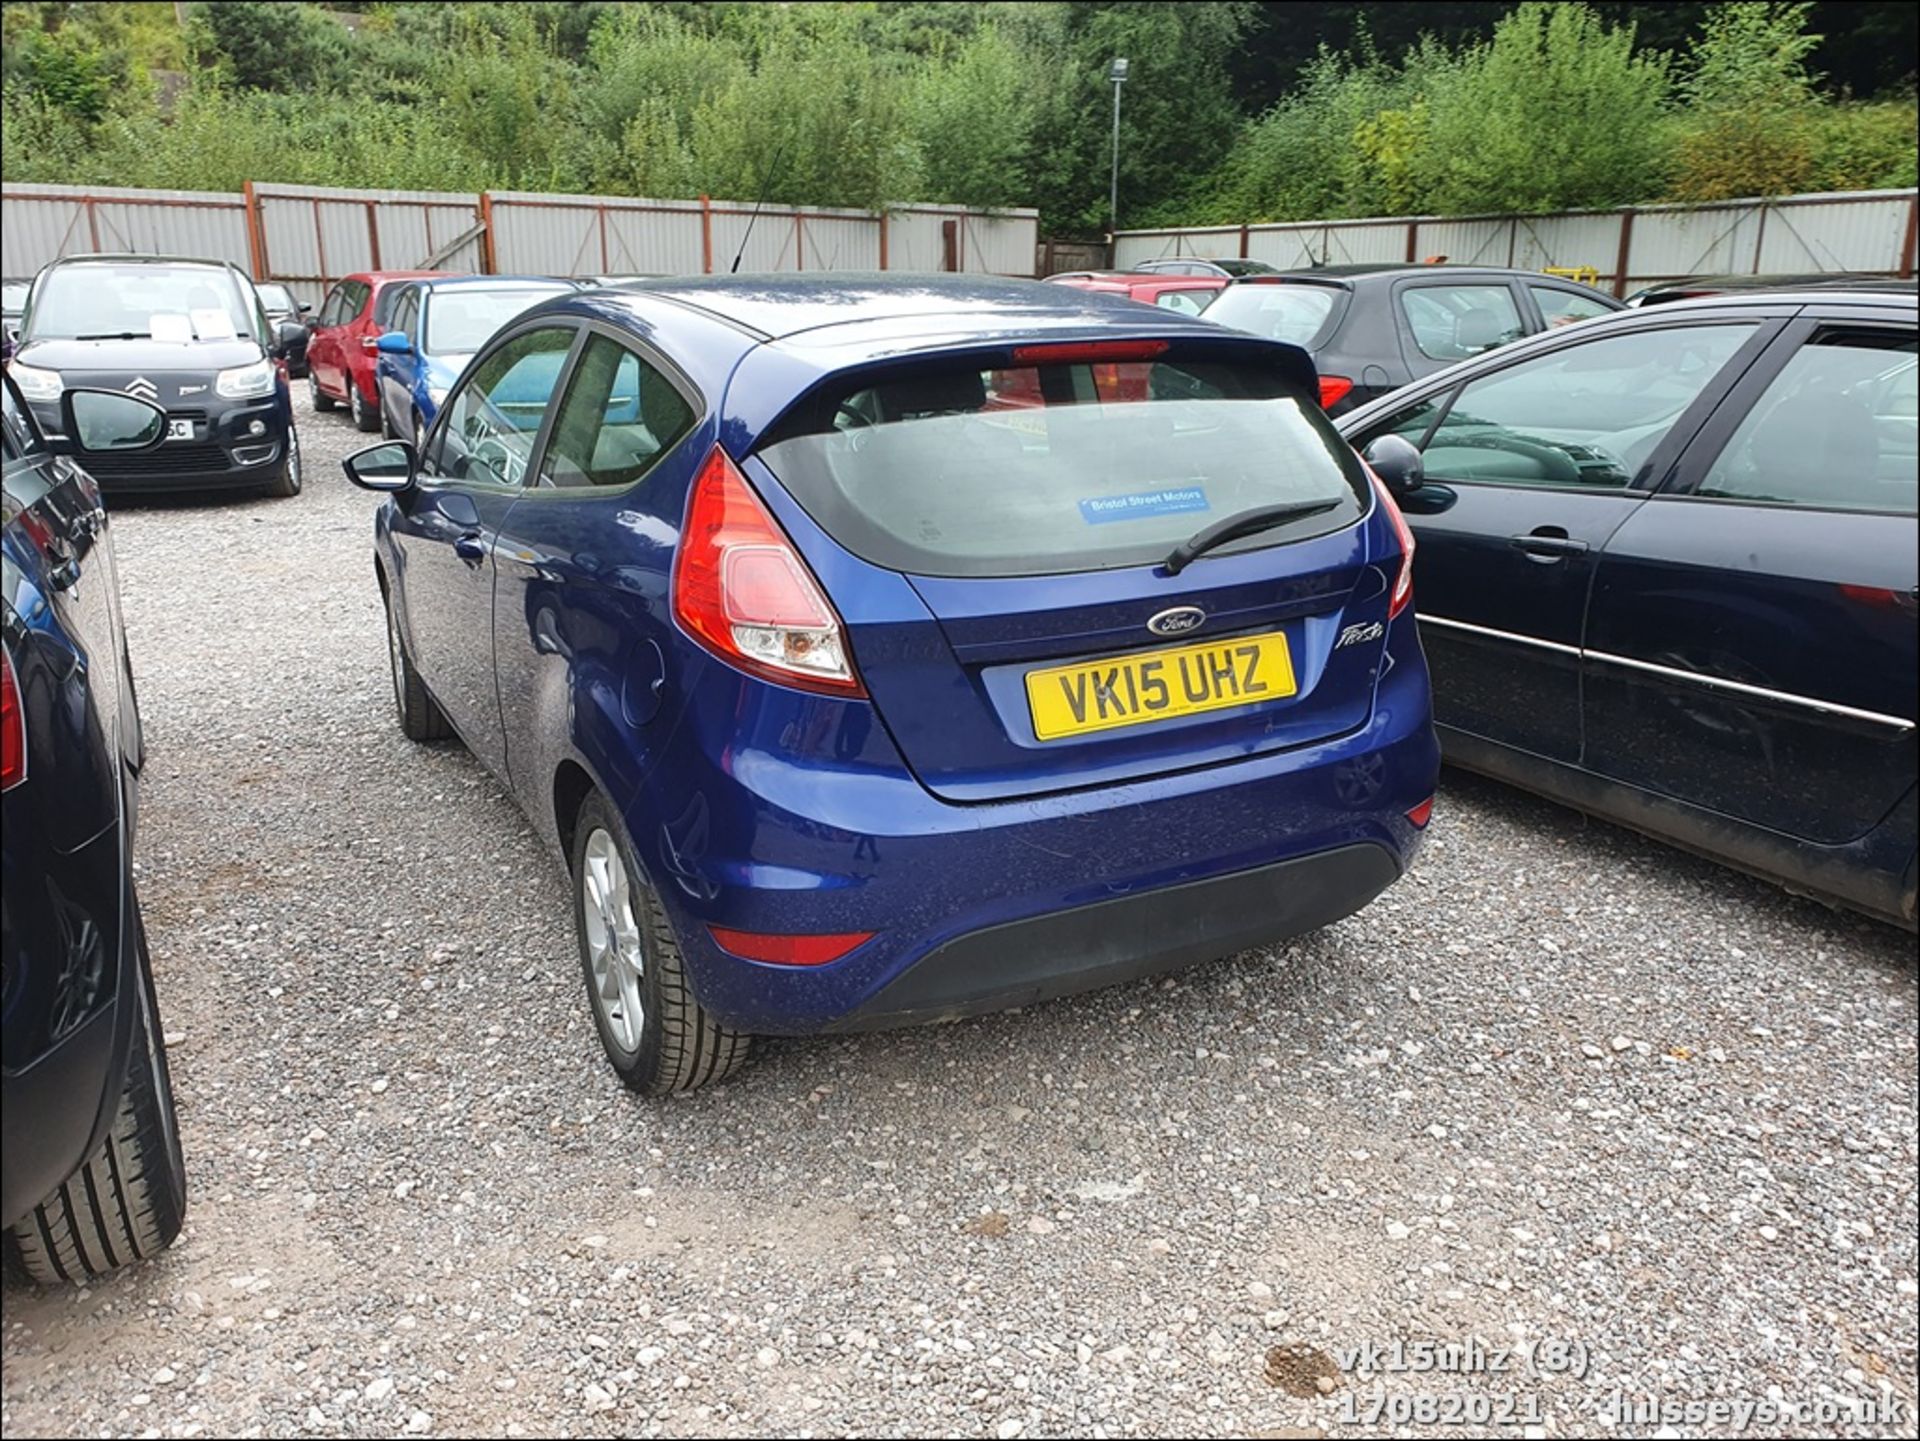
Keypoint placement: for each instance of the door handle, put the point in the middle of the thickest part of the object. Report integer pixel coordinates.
(1547, 543)
(471, 546)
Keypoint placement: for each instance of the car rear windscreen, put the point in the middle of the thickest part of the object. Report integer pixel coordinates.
(1297, 314)
(1051, 469)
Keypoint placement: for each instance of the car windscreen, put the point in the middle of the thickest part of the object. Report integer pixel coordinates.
(1298, 314)
(277, 300)
(1052, 469)
(139, 302)
(460, 321)
(13, 296)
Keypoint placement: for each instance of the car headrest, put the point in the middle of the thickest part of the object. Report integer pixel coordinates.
(942, 393)
(1819, 444)
(1478, 330)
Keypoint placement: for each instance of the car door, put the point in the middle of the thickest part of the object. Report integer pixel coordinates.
(1752, 645)
(1441, 322)
(584, 563)
(1530, 466)
(323, 350)
(396, 373)
(476, 462)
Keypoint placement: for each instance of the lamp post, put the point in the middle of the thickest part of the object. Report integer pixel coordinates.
(1117, 74)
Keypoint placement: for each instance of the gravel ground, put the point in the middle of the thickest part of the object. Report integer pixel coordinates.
(1563, 1084)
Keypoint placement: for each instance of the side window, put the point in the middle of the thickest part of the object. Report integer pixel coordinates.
(401, 315)
(331, 307)
(1412, 423)
(357, 293)
(1452, 322)
(1584, 415)
(387, 302)
(1186, 302)
(1836, 429)
(491, 421)
(619, 415)
(1563, 307)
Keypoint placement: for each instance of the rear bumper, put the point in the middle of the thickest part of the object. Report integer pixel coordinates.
(1022, 962)
(986, 905)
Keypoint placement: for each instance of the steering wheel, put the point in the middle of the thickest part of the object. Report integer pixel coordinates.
(1558, 465)
(861, 422)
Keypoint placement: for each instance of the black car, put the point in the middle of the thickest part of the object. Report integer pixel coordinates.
(1194, 265)
(288, 317)
(1373, 328)
(13, 304)
(188, 335)
(92, 1174)
(1667, 574)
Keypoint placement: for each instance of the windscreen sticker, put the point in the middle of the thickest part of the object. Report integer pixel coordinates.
(1170, 501)
(213, 324)
(171, 327)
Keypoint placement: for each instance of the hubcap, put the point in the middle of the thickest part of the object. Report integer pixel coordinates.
(614, 953)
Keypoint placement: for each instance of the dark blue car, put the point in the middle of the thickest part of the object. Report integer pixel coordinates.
(92, 1173)
(1668, 575)
(437, 325)
(877, 650)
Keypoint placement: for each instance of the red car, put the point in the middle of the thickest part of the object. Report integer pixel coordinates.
(1187, 294)
(341, 351)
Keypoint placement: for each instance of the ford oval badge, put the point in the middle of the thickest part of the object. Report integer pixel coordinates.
(1178, 621)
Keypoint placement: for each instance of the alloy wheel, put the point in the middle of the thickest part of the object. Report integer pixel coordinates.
(615, 953)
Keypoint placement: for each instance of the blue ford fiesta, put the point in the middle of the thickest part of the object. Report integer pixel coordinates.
(878, 650)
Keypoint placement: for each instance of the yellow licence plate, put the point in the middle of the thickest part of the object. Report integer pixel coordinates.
(1073, 700)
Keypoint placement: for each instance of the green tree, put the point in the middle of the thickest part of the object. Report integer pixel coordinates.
(1556, 112)
(1750, 126)
(973, 120)
(270, 44)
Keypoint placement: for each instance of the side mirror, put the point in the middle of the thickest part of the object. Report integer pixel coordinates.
(1398, 463)
(305, 306)
(394, 342)
(102, 420)
(387, 468)
(286, 335)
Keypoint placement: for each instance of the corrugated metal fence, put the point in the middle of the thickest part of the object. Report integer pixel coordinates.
(1865, 230)
(310, 236)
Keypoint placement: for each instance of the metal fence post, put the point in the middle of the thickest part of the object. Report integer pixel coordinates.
(1905, 259)
(256, 232)
(706, 236)
(489, 264)
(883, 240)
(1625, 255)
(1413, 240)
(373, 234)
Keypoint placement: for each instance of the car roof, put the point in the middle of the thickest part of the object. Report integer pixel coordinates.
(773, 307)
(490, 282)
(1338, 273)
(1784, 280)
(130, 258)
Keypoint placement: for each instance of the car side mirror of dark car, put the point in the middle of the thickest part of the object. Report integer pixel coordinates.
(286, 335)
(388, 467)
(1398, 463)
(103, 420)
(306, 307)
(394, 342)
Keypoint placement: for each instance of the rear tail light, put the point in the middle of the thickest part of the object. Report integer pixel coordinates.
(782, 950)
(1333, 390)
(1403, 582)
(13, 728)
(1421, 814)
(743, 592)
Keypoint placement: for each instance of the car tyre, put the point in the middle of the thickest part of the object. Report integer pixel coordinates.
(287, 480)
(421, 718)
(656, 1036)
(387, 432)
(365, 417)
(419, 435)
(126, 1201)
(322, 402)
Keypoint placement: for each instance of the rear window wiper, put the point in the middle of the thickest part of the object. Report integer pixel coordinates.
(1235, 527)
